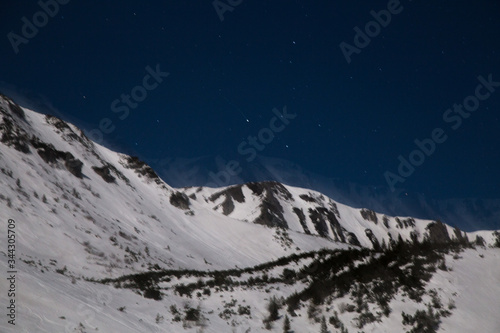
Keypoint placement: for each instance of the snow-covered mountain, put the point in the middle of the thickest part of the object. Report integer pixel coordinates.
(275, 205)
(90, 222)
(467, 213)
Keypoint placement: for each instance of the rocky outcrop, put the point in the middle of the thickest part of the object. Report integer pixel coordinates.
(438, 233)
(105, 173)
(271, 212)
(180, 200)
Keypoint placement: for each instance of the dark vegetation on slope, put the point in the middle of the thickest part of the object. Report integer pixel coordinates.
(150, 280)
(371, 279)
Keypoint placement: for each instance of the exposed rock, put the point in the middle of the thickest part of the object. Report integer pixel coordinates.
(496, 234)
(369, 215)
(233, 192)
(73, 165)
(385, 220)
(333, 207)
(105, 173)
(321, 217)
(406, 223)
(16, 109)
(352, 239)
(438, 233)
(180, 200)
(373, 240)
(271, 212)
(227, 205)
(302, 219)
(459, 237)
(140, 167)
(47, 151)
(307, 198)
(51, 155)
(319, 222)
(275, 187)
(14, 136)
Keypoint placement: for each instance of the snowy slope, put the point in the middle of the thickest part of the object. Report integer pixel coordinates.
(52, 303)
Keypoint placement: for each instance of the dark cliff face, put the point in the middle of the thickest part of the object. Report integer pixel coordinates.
(230, 194)
(272, 194)
(105, 173)
(322, 216)
(180, 200)
(271, 211)
(12, 134)
(140, 168)
(438, 232)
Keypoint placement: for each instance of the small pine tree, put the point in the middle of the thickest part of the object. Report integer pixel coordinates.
(324, 328)
(286, 325)
(273, 308)
(312, 311)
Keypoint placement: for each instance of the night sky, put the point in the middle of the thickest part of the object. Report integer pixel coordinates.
(346, 120)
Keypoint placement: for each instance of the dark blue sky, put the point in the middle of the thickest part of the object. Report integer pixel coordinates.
(225, 77)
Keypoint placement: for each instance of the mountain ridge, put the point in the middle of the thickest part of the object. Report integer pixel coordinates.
(84, 214)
